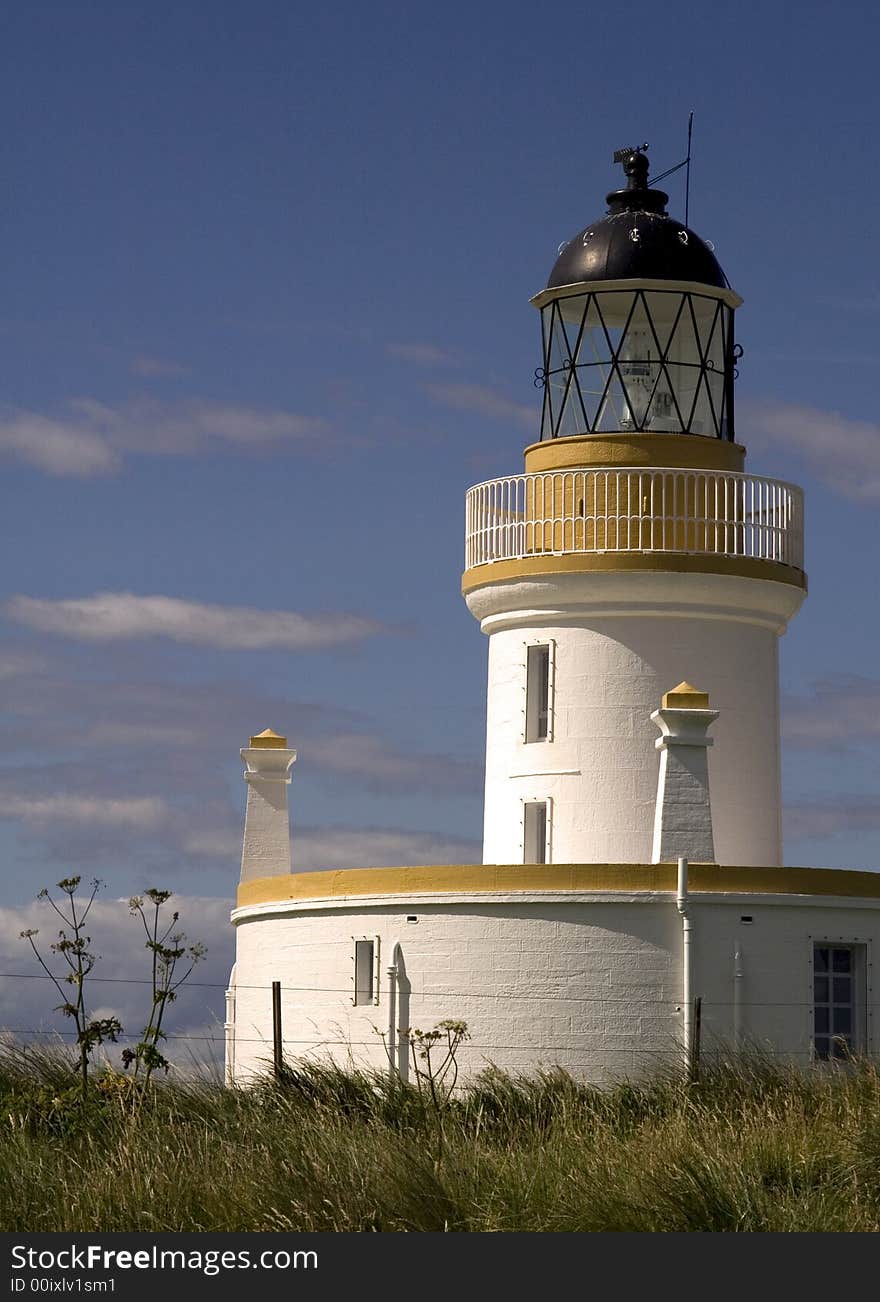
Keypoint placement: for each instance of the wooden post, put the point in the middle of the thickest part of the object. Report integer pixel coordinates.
(695, 1049)
(276, 1028)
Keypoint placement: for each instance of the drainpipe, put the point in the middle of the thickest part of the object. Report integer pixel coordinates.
(392, 1020)
(737, 997)
(229, 1031)
(687, 998)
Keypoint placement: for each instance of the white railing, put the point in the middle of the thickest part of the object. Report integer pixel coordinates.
(660, 510)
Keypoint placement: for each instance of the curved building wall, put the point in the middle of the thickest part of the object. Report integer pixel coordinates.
(588, 981)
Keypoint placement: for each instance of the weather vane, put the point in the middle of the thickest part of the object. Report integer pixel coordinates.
(621, 154)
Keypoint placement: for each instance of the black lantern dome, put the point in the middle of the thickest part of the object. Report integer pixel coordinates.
(637, 324)
(636, 240)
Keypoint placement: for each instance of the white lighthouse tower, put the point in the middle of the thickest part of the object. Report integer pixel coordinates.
(633, 553)
(633, 583)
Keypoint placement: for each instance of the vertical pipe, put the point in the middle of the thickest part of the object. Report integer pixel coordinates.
(229, 1033)
(737, 996)
(276, 1028)
(392, 1021)
(687, 1001)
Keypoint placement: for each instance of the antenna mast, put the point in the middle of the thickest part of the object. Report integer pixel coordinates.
(687, 175)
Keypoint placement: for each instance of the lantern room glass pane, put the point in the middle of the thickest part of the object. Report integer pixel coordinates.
(593, 363)
(651, 360)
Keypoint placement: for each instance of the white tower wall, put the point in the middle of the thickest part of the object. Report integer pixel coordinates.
(619, 641)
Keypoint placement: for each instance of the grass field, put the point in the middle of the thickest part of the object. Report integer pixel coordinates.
(750, 1147)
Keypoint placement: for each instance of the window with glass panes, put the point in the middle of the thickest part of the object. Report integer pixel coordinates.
(837, 1001)
(538, 693)
(535, 831)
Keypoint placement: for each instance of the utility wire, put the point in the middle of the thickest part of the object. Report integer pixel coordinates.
(518, 997)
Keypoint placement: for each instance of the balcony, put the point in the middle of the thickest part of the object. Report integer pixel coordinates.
(686, 512)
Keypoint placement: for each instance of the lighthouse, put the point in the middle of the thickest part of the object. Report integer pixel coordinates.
(633, 583)
(634, 552)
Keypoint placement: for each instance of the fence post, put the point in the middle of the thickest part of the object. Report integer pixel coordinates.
(276, 1028)
(694, 1065)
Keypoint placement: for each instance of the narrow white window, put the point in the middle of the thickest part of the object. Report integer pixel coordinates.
(366, 970)
(536, 831)
(838, 1000)
(538, 693)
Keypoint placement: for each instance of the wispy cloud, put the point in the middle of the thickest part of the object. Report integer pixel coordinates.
(138, 812)
(483, 401)
(422, 354)
(315, 848)
(379, 766)
(120, 983)
(843, 453)
(91, 437)
(58, 447)
(19, 664)
(318, 848)
(823, 819)
(88, 699)
(837, 711)
(114, 616)
(191, 425)
(142, 780)
(158, 368)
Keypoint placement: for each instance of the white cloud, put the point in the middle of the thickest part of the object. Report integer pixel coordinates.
(59, 447)
(112, 616)
(316, 848)
(120, 985)
(422, 354)
(157, 367)
(324, 848)
(381, 766)
(16, 664)
(843, 453)
(90, 440)
(190, 425)
(484, 402)
(838, 711)
(139, 812)
(823, 819)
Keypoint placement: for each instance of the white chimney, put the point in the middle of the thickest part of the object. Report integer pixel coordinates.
(683, 813)
(266, 848)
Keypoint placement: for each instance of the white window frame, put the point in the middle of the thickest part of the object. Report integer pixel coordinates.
(547, 802)
(862, 967)
(531, 712)
(370, 995)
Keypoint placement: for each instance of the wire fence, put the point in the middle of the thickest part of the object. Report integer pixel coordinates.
(413, 992)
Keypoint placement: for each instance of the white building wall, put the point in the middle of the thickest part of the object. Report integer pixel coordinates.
(592, 984)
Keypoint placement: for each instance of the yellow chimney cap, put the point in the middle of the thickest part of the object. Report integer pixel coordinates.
(268, 739)
(685, 697)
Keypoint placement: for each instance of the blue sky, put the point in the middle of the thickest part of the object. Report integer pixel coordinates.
(265, 318)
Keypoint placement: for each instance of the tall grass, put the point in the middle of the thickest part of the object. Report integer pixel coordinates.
(751, 1147)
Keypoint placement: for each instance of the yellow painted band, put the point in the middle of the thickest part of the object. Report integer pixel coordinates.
(677, 451)
(749, 567)
(602, 878)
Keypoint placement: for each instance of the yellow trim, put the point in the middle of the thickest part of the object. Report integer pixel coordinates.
(544, 296)
(601, 878)
(685, 697)
(677, 451)
(268, 740)
(748, 567)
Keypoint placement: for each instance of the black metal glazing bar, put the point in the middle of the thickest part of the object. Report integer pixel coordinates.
(710, 370)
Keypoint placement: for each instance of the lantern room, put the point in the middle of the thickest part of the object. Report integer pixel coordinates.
(637, 320)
